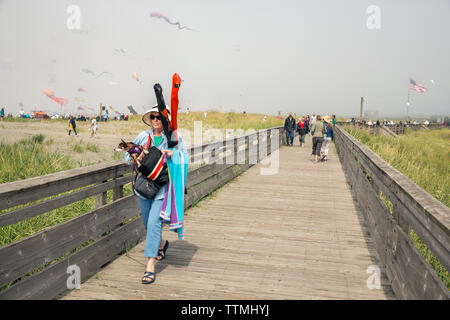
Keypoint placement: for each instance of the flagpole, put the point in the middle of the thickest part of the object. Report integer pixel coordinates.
(407, 103)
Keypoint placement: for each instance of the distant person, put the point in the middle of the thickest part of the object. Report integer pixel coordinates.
(22, 113)
(93, 126)
(317, 132)
(205, 114)
(187, 111)
(2, 113)
(302, 129)
(72, 126)
(290, 126)
(105, 115)
(308, 121)
(328, 123)
(313, 119)
(333, 120)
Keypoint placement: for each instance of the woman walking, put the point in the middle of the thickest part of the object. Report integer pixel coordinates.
(328, 137)
(302, 129)
(155, 245)
(317, 132)
(72, 126)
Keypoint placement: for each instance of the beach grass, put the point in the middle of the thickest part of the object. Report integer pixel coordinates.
(423, 156)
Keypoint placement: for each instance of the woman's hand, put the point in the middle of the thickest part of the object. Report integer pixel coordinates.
(169, 153)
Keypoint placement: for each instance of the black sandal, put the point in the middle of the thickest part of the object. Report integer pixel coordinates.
(162, 252)
(148, 274)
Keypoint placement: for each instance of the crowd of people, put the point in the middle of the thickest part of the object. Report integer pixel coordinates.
(321, 129)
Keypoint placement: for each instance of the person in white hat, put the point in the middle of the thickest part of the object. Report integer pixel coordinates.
(155, 245)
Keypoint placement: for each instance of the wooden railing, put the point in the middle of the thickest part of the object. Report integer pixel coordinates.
(372, 179)
(396, 128)
(36, 267)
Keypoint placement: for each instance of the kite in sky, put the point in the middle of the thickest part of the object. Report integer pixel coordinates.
(120, 51)
(79, 99)
(160, 16)
(84, 108)
(93, 73)
(135, 76)
(61, 101)
(132, 110)
(81, 90)
(123, 51)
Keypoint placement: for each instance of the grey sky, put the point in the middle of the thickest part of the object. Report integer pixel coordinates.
(258, 56)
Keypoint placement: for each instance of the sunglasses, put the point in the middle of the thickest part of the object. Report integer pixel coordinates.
(152, 117)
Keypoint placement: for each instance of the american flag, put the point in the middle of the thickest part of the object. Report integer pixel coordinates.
(416, 87)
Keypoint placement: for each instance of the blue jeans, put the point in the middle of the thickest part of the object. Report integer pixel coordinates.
(150, 210)
(289, 137)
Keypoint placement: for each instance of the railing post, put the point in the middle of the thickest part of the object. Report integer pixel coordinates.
(258, 147)
(247, 150)
(118, 191)
(235, 151)
(100, 199)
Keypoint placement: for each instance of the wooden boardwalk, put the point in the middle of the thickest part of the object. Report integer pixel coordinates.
(293, 235)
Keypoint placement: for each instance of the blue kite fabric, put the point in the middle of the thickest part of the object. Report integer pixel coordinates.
(173, 205)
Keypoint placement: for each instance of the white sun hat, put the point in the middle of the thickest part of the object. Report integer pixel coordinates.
(146, 117)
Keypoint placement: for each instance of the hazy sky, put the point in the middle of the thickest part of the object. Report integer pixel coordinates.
(258, 56)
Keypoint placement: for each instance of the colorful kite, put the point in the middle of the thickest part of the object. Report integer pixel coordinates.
(61, 101)
(81, 90)
(135, 76)
(176, 83)
(79, 99)
(84, 108)
(160, 16)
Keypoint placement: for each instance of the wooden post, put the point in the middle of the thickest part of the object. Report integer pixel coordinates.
(100, 112)
(100, 199)
(247, 150)
(235, 150)
(361, 110)
(118, 191)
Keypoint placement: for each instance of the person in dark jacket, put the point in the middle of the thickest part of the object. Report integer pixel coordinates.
(72, 126)
(290, 127)
(302, 129)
